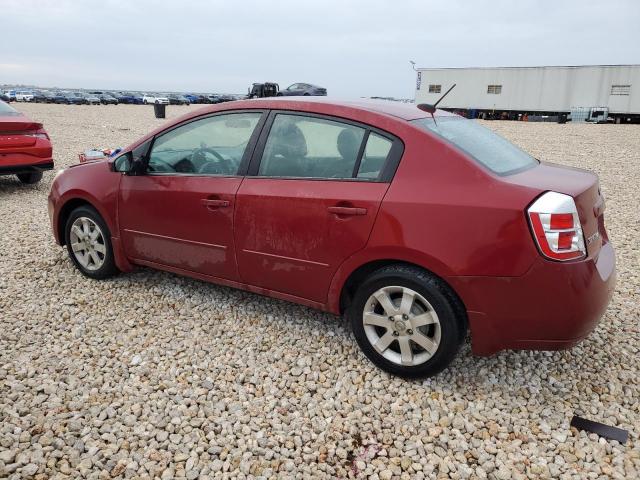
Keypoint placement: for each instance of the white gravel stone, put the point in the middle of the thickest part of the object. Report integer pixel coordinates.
(152, 375)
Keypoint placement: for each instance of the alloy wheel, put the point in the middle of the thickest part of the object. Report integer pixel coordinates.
(401, 325)
(87, 243)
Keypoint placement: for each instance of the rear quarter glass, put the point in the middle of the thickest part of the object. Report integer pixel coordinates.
(488, 148)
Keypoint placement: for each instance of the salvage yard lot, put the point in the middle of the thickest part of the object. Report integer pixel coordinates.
(150, 374)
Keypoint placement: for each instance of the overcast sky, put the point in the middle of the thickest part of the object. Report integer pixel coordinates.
(351, 47)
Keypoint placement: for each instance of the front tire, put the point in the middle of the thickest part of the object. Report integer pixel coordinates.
(406, 321)
(88, 243)
(29, 178)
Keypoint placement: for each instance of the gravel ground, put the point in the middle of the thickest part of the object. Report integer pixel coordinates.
(153, 375)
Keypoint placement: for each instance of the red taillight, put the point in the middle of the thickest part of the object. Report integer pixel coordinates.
(40, 133)
(561, 221)
(556, 227)
(565, 240)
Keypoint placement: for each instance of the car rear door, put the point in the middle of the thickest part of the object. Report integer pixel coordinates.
(179, 213)
(309, 201)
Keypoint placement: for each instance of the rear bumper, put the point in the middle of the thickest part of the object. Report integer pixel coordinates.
(24, 164)
(551, 307)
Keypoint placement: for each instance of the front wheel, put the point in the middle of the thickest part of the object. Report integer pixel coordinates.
(29, 178)
(88, 243)
(406, 321)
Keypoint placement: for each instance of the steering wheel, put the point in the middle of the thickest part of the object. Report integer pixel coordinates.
(204, 165)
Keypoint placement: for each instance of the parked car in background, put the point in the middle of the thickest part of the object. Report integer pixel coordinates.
(72, 98)
(219, 98)
(191, 97)
(89, 98)
(59, 97)
(48, 97)
(302, 89)
(155, 98)
(128, 97)
(137, 98)
(416, 224)
(119, 96)
(11, 95)
(213, 99)
(39, 96)
(175, 99)
(107, 99)
(24, 96)
(25, 148)
(4, 96)
(199, 99)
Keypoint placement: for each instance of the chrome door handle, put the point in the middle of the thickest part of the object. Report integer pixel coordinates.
(214, 203)
(347, 211)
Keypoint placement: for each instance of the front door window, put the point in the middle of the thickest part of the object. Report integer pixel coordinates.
(210, 146)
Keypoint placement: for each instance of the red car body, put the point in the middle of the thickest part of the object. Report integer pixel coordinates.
(287, 238)
(24, 144)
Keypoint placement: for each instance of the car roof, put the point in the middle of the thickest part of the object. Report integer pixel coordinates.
(405, 111)
(322, 105)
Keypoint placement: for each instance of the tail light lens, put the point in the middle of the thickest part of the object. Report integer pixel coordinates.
(37, 135)
(41, 133)
(556, 227)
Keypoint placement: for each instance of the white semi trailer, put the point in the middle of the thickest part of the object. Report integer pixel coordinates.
(513, 91)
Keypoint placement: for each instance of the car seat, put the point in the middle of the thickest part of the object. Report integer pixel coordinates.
(284, 155)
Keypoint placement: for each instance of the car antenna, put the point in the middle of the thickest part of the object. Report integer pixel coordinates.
(427, 107)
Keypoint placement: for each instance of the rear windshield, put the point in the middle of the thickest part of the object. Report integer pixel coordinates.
(490, 149)
(5, 109)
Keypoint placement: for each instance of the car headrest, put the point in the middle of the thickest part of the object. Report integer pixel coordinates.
(291, 142)
(348, 144)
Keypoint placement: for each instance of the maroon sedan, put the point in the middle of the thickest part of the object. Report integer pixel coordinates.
(416, 227)
(25, 149)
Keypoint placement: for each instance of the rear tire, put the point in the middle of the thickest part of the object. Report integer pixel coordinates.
(88, 243)
(419, 332)
(29, 178)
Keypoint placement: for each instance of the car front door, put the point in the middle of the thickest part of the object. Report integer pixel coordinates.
(179, 213)
(309, 201)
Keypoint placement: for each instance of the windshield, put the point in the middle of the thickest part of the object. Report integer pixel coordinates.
(490, 149)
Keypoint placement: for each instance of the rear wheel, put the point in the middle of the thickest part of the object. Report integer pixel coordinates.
(406, 321)
(88, 243)
(29, 178)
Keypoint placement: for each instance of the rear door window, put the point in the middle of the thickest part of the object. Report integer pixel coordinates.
(375, 156)
(309, 147)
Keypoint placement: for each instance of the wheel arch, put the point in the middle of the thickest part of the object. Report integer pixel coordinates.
(65, 211)
(75, 201)
(358, 274)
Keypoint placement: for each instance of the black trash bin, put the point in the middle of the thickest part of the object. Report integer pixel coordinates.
(159, 109)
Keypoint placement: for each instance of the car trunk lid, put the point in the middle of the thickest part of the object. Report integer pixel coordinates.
(580, 184)
(15, 131)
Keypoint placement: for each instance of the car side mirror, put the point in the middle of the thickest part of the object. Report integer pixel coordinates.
(123, 163)
(134, 162)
